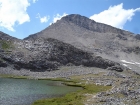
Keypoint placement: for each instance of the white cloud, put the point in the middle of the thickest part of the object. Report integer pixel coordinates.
(115, 16)
(12, 12)
(34, 1)
(43, 19)
(58, 17)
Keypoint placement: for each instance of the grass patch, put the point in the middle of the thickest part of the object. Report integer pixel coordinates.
(6, 45)
(69, 99)
(13, 76)
(75, 98)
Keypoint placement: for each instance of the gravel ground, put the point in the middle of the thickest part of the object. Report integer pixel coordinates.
(65, 71)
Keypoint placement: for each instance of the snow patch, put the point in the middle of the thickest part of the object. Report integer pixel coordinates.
(125, 65)
(132, 62)
(137, 63)
(124, 61)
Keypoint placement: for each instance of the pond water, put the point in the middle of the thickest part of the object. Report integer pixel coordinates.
(26, 91)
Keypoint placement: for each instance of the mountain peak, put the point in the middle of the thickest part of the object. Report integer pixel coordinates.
(92, 25)
(79, 20)
(76, 18)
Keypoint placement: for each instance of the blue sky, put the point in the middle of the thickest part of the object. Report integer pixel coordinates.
(20, 18)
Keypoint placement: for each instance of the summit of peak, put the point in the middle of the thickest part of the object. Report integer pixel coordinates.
(92, 25)
(76, 18)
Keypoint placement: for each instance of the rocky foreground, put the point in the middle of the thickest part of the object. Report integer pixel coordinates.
(125, 89)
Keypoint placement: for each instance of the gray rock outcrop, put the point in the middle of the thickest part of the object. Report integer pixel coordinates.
(50, 54)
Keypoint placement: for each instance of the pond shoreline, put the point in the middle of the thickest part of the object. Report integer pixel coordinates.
(118, 85)
(60, 75)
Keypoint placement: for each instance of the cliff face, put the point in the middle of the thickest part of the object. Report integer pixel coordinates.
(73, 40)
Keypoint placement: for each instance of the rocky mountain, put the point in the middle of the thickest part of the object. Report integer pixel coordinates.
(103, 40)
(73, 40)
(49, 54)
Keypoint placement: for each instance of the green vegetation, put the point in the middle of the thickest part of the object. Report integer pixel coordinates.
(75, 98)
(6, 45)
(69, 99)
(13, 76)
